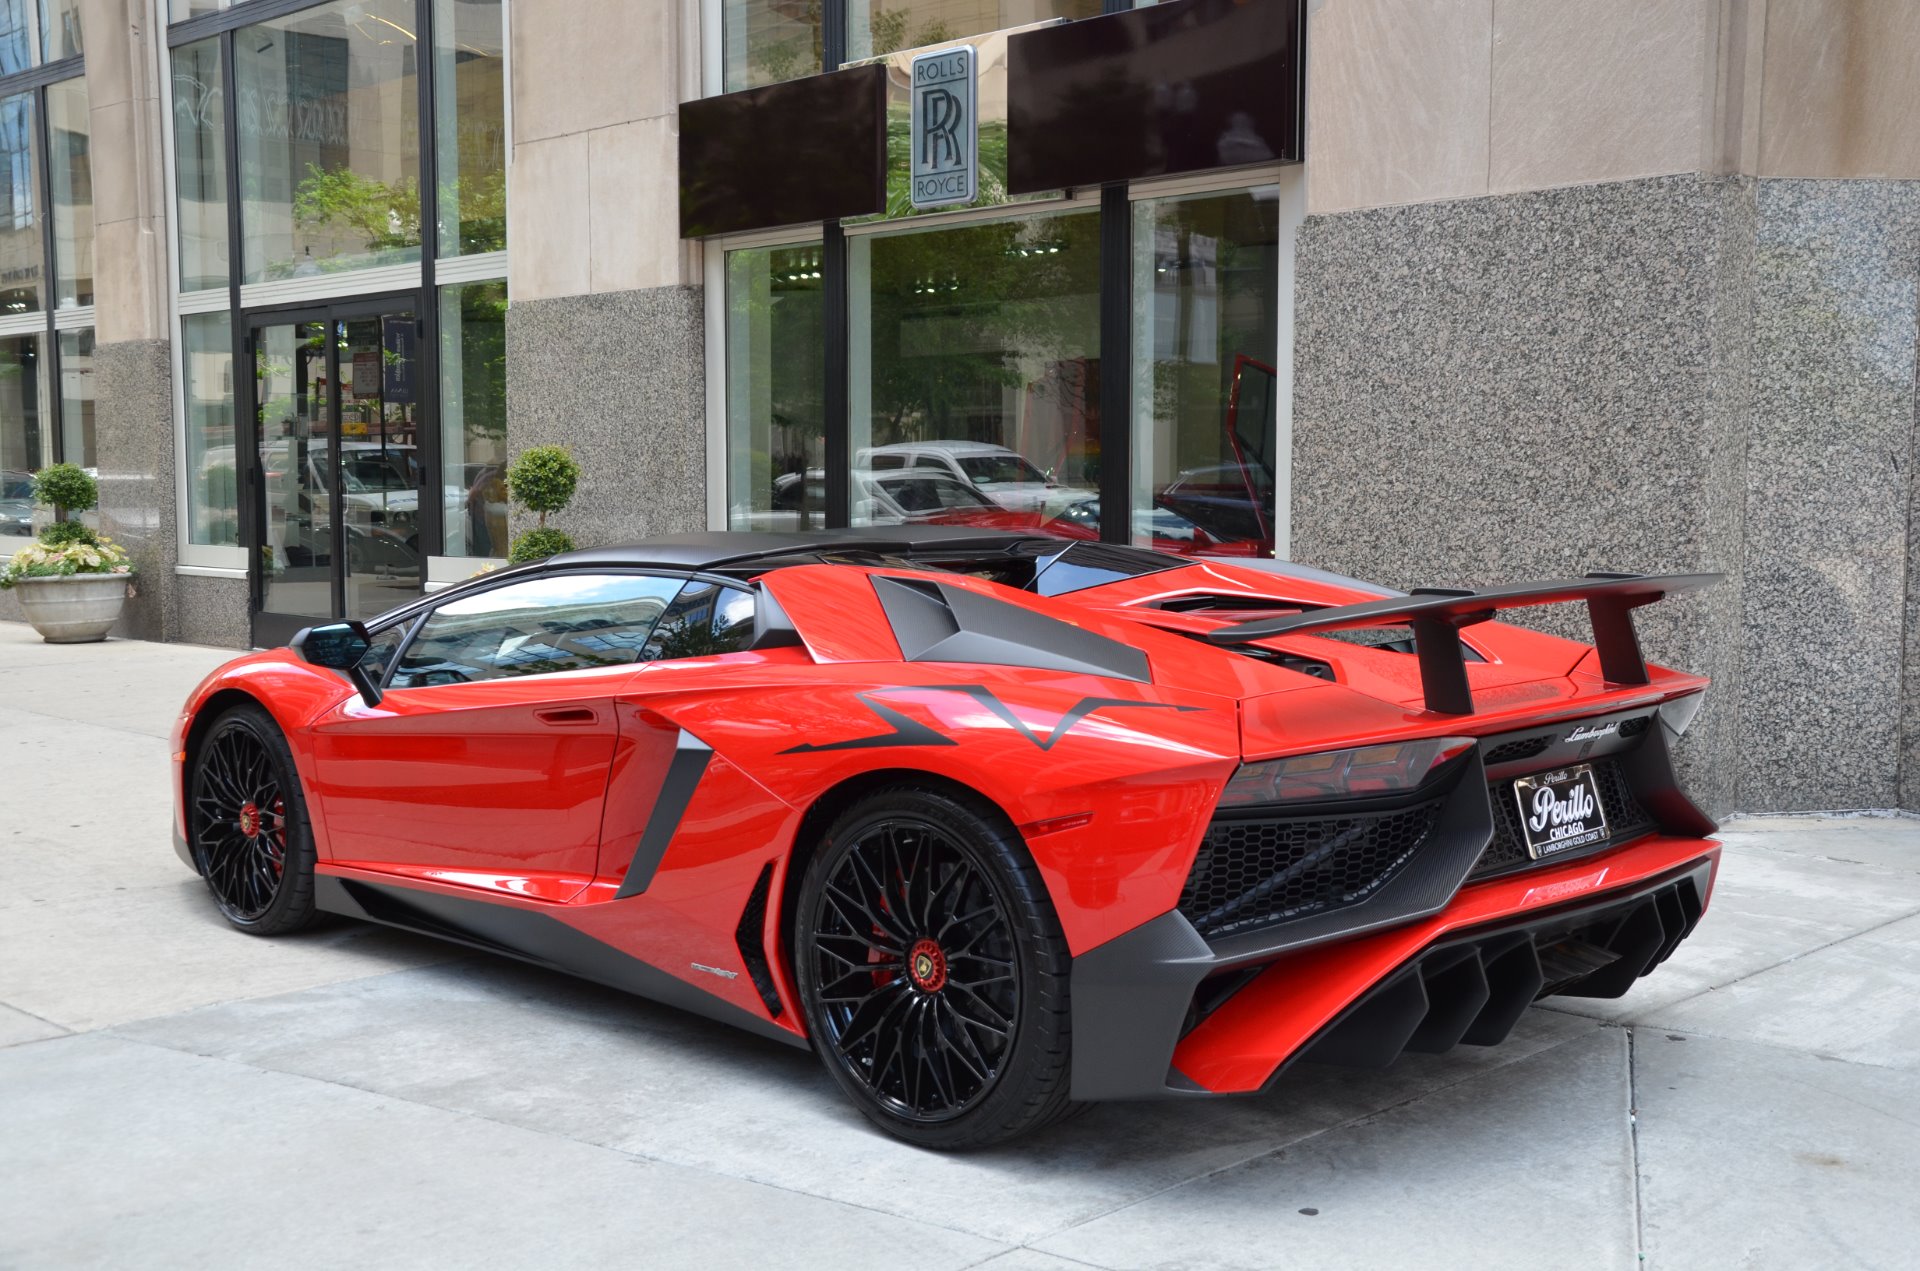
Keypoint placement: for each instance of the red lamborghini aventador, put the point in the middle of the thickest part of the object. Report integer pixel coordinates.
(993, 822)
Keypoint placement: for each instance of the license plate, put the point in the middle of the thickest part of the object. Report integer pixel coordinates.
(1560, 811)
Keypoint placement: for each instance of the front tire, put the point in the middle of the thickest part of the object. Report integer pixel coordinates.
(933, 971)
(247, 824)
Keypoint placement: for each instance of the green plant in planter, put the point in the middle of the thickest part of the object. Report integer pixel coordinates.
(61, 533)
(67, 489)
(41, 560)
(542, 480)
(65, 547)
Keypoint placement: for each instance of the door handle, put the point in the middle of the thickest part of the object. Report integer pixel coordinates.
(563, 715)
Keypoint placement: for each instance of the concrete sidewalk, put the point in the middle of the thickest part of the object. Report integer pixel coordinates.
(173, 1093)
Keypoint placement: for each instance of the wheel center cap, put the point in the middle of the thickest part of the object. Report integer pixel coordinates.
(250, 821)
(927, 967)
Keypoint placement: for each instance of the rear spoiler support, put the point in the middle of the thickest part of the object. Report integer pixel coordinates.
(1437, 615)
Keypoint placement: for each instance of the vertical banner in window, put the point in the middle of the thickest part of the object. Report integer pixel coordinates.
(399, 347)
(945, 165)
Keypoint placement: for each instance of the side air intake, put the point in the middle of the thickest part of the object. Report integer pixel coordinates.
(750, 936)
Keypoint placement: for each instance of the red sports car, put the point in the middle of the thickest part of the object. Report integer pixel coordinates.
(993, 822)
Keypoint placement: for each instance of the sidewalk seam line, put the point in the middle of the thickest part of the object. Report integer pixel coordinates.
(1633, 1140)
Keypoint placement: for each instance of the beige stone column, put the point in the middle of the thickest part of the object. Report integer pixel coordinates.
(605, 329)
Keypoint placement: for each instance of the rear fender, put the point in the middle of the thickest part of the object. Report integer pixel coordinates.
(1111, 783)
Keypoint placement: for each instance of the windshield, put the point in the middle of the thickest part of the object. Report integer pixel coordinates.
(999, 469)
(16, 485)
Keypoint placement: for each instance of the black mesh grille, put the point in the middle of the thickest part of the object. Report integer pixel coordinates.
(1252, 872)
(1626, 819)
(1525, 748)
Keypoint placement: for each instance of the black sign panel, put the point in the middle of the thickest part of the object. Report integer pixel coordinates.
(812, 149)
(1185, 86)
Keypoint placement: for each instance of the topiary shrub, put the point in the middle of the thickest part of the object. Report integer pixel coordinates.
(542, 480)
(66, 487)
(61, 533)
(538, 545)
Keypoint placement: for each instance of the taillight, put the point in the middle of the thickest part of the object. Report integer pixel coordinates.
(1340, 774)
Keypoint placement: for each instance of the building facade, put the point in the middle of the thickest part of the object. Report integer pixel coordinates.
(1428, 291)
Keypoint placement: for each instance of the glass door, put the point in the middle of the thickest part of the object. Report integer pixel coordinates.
(339, 475)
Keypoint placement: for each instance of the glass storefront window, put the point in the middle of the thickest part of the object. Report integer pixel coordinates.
(200, 164)
(471, 121)
(975, 370)
(25, 445)
(767, 41)
(21, 263)
(60, 29)
(776, 410)
(16, 37)
(473, 417)
(76, 398)
(181, 10)
(69, 138)
(875, 27)
(329, 140)
(1206, 301)
(213, 465)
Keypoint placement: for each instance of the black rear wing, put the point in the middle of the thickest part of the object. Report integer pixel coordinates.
(1437, 614)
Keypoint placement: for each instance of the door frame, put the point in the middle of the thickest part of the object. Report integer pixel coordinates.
(269, 628)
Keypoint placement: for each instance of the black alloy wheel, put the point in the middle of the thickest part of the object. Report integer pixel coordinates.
(933, 971)
(247, 823)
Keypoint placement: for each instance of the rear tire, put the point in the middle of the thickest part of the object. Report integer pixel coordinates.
(247, 824)
(933, 972)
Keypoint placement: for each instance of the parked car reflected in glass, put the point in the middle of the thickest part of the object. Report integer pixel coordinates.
(16, 503)
(1161, 527)
(1003, 475)
(926, 496)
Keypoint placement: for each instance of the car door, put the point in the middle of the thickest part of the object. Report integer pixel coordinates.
(486, 761)
(706, 620)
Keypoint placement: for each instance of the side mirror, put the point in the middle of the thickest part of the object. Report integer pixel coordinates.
(339, 646)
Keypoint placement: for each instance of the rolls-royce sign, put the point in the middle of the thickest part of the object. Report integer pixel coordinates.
(945, 164)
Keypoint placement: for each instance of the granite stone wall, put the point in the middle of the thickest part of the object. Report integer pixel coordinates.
(620, 379)
(1828, 637)
(1668, 374)
(134, 443)
(211, 611)
(1531, 386)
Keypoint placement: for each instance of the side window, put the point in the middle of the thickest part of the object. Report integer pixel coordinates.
(883, 463)
(379, 654)
(929, 461)
(567, 622)
(705, 619)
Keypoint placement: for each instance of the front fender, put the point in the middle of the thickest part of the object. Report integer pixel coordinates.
(293, 692)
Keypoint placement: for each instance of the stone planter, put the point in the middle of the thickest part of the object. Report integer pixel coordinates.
(75, 609)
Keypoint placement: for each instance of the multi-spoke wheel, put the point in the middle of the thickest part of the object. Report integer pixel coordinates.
(933, 970)
(248, 824)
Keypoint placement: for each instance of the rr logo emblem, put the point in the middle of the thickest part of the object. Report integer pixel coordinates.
(943, 152)
(939, 128)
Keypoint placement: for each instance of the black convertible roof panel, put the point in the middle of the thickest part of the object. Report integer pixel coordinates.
(711, 549)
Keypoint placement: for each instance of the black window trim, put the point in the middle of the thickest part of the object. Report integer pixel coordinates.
(417, 613)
